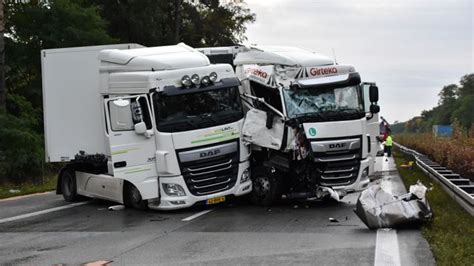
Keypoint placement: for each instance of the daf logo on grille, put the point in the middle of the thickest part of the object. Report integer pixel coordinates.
(209, 153)
(337, 145)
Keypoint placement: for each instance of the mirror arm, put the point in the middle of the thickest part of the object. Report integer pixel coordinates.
(266, 104)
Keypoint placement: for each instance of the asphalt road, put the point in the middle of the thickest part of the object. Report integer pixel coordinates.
(236, 233)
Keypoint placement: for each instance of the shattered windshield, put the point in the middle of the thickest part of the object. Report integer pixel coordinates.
(323, 102)
(183, 112)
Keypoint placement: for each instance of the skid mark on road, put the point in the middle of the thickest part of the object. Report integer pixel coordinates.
(32, 214)
(194, 216)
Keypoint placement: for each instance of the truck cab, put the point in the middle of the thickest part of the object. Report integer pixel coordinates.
(311, 123)
(155, 127)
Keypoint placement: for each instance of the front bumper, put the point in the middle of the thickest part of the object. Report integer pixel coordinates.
(172, 203)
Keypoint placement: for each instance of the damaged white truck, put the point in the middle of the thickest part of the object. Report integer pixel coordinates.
(148, 127)
(311, 123)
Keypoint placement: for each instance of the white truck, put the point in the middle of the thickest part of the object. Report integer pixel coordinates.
(311, 122)
(151, 127)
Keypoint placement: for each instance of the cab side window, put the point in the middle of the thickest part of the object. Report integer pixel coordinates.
(125, 113)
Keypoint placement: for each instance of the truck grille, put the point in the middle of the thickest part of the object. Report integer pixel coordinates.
(211, 175)
(339, 167)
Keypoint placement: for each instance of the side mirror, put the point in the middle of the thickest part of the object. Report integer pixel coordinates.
(373, 94)
(374, 109)
(140, 128)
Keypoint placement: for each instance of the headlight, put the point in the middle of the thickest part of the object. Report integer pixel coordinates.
(186, 81)
(213, 76)
(245, 176)
(195, 79)
(173, 190)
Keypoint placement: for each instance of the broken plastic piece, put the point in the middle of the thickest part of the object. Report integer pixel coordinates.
(333, 220)
(378, 208)
(116, 208)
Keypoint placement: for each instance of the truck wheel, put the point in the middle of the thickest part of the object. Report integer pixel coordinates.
(132, 198)
(68, 185)
(265, 186)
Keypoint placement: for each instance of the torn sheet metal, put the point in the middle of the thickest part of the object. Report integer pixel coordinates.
(256, 132)
(379, 209)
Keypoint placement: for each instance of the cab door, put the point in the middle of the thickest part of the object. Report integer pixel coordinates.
(372, 125)
(130, 129)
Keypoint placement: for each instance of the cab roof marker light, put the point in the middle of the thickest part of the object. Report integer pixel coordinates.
(195, 79)
(186, 81)
(213, 76)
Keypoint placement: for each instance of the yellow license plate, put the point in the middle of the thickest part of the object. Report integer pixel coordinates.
(215, 200)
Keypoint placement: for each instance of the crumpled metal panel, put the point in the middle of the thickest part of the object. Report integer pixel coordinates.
(379, 209)
(256, 132)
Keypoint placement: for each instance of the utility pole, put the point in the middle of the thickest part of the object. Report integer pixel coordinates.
(3, 90)
(177, 17)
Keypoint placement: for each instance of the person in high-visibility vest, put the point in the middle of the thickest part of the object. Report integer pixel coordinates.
(388, 144)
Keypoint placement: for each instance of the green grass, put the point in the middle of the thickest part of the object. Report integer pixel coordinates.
(451, 233)
(27, 188)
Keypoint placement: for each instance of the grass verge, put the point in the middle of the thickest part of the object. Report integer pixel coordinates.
(11, 190)
(451, 233)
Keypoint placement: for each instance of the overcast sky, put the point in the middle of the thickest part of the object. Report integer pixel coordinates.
(411, 48)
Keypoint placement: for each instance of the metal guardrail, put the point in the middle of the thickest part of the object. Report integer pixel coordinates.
(459, 188)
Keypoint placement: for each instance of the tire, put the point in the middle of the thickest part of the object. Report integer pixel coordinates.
(265, 185)
(132, 198)
(69, 185)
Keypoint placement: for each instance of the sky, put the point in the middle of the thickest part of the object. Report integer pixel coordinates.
(410, 48)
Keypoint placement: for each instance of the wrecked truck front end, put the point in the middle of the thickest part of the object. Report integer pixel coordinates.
(314, 143)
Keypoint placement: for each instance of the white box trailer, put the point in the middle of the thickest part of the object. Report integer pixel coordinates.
(157, 127)
(73, 112)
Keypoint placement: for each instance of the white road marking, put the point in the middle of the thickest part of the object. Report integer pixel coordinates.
(194, 216)
(26, 196)
(28, 215)
(386, 248)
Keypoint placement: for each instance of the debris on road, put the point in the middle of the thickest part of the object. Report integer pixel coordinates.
(333, 220)
(378, 208)
(116, 208)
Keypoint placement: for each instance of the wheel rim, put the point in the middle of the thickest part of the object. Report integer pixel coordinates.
(261, 186)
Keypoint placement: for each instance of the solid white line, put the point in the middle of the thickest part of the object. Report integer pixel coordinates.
(386, 248)
(194, 216)
(26, 196)
(28, 215)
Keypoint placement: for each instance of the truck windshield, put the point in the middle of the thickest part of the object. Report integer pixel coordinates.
(184, 112)
(321, 104)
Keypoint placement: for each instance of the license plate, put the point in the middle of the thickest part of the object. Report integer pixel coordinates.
(215, 200)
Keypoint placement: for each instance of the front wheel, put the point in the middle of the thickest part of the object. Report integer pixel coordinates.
(133, 198)
(265, 186)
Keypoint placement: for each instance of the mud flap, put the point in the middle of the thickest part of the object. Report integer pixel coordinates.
(256, 131)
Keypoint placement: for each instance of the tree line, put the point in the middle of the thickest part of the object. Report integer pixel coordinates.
(30, 26)
(455, 106)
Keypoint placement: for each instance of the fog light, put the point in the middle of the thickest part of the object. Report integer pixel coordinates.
(213, 76)
(177, 202)
(195, 79)
(245, 176)
(173, 190)
(186, 81)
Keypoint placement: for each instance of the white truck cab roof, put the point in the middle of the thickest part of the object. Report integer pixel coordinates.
(154, 58)
(281, 55)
